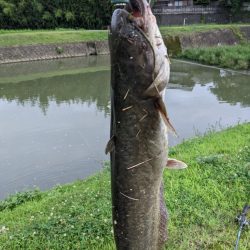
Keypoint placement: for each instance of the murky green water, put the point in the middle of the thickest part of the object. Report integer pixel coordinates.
(55, 115)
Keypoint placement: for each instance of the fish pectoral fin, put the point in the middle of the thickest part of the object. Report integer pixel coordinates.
(155, 87)
(174, 164)
(110, 145)
(152, 90)
(160, 106)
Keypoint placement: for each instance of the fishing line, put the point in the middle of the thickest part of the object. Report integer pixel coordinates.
(243, 222)
(213, 67)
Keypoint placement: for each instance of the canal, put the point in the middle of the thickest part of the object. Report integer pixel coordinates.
(54, 115)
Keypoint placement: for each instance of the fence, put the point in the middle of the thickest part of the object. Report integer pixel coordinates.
(187, 10)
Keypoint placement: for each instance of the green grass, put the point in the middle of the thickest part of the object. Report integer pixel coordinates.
(29, 37)
(234, 57)
(202, 202)
(188, 29)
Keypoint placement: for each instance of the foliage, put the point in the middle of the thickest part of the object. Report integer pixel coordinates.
(234, 5)
(41, 14)
(189, 29)
(234, 57)
(202, 202)
(20, 198)
(201, 2)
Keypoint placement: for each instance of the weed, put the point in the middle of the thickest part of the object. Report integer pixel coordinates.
(20, 198)
(234, 57)
(59, 50)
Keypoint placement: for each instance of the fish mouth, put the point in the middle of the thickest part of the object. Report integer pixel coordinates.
(138, 7)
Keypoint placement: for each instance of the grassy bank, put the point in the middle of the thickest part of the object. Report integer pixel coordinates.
(27, 37)
(202, 201)
(31, 37)
(191, 29)
(234, 57)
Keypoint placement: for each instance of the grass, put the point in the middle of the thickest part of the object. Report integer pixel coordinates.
(28, 37)
(234, 57)
(188, 29)
(31, 37)
(202, 202)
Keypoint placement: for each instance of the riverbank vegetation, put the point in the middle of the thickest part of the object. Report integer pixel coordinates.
(28, 37)
(192, 29)
(202, 201)
(42, 14)
(88, 14)
(234, 57)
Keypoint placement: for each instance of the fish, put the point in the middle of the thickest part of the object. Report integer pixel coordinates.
(138, 147)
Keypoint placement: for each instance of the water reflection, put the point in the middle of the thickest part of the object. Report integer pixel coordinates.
(233, 89)
(78, 88)
(25, 69)
(55, 115)
(228, 86)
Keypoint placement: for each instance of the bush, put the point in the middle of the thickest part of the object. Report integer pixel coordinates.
(20, 198)
(234, 57)
(40, 14)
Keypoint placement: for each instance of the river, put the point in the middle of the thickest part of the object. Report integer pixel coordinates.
(55, 115)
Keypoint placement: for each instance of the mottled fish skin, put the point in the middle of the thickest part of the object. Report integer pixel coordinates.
(139, 75)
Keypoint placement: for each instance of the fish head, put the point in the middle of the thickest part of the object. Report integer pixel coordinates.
(131, 52)
(138, 7)
(143, 16)
(134, 32)
(138, 55)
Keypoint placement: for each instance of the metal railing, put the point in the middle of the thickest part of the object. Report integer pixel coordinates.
(186, 9)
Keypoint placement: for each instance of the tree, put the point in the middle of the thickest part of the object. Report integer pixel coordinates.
(35, 14)
(236, 5)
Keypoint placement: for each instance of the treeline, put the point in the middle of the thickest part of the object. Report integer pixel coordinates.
(234, 6)
(50, 14)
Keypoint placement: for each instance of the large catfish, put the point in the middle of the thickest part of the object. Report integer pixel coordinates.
(139, 123)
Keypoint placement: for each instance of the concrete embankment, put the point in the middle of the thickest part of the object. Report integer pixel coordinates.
(175, 44)
(213, 38)
(52, 51)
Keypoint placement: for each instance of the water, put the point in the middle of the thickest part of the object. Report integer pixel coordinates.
(55, 115)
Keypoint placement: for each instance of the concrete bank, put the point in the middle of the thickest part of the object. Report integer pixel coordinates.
(175, 45)
(52, 51)
(213, 38)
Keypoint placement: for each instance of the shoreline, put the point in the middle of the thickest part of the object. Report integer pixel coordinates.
(176, 43)
(27, 53)
(242, 72)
